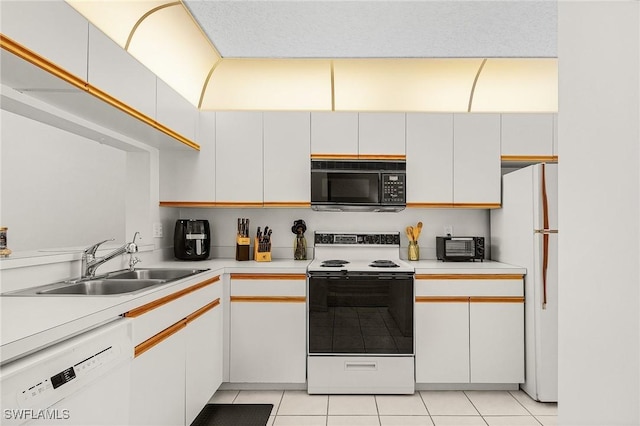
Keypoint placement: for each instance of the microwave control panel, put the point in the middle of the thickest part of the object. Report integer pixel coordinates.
(393, 188)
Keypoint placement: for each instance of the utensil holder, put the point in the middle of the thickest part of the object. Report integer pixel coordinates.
(414, 250)
(260, 256)
(243, 248)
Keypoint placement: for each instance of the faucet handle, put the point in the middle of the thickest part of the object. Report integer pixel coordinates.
(92, 249)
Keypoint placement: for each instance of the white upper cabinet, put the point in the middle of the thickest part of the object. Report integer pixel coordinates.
(52, 29)
(287, 168)
(239, 160)
(476, 158)
(191, 175)
(381, 134)
(175, 112)
(334, 133)
(116, 72)
(527, 135)
(429, 158)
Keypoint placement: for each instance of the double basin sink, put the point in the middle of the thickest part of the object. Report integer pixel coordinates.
(114, 283)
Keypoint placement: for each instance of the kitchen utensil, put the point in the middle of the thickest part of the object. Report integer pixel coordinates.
(417, 231)
(409, 231)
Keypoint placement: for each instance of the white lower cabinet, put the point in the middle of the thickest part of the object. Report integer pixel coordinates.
(177, 368)
(497, 338)
(267, 328)
(157, 383)
(442, 342)
(470, 330)
(203, 363)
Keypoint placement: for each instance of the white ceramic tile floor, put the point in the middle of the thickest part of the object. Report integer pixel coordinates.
(424, 408)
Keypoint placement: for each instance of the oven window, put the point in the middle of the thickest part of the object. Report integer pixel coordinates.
(354, 188)
(355, 316)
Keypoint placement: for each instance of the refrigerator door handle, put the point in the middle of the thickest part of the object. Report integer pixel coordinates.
(545, 238)
(546, 231)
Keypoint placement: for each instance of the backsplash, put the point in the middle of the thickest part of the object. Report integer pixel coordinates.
(223, 226)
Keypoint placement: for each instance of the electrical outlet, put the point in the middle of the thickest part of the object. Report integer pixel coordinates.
(448, 230)
(157, 230)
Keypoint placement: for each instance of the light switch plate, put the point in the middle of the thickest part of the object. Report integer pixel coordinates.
(157, 230)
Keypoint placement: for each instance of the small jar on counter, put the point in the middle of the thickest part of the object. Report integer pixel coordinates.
(4, 251)
(414, 250)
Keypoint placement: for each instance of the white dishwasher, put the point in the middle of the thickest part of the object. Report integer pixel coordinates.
(84, 380)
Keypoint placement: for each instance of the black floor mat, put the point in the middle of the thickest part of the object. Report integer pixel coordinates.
(233, 415)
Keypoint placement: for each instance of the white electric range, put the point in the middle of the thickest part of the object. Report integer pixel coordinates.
(360, 315)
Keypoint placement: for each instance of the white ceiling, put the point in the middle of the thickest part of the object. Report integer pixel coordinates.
(379, 29)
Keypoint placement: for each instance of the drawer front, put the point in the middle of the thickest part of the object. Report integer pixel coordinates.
(469, 287)
(361, 375)
(268, 285)
(156, 316)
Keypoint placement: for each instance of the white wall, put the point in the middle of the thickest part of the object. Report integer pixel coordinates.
(224, 222)
(599, 213)
(58, 189)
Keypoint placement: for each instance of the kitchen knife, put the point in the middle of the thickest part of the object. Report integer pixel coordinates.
(246, 231)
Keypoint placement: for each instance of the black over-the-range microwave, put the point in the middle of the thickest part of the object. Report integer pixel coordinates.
(358, 185)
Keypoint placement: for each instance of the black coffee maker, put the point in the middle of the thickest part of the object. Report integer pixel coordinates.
(192, 239)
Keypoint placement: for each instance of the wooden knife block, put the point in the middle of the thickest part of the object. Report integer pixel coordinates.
(243, 248)
(260, 256)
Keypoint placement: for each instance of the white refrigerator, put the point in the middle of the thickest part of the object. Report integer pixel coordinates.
(524, 232)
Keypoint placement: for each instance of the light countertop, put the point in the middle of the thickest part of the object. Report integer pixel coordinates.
(32, 322)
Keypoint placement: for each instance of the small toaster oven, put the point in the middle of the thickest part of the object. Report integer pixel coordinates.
(457, 249)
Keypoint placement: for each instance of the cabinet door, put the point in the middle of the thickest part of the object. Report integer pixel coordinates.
(203, 361)
(174, 111)
(442, 342)
(115, 71)
(239, 176)
(52, 29)
(497, 342)
(191, 175)
(381, 134)
(334, 133)
(527, 135)
(267, 328)
(287, 169)
(476, 159)
(157, 383)
(429, 158)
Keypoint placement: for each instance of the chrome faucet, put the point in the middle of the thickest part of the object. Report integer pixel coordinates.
(90, 263)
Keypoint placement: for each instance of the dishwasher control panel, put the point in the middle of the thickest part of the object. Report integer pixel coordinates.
(43, 378)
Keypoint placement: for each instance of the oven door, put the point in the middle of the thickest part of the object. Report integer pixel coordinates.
(345, 188)
(360, 313)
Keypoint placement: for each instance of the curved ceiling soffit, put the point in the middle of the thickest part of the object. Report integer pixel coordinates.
(145, 16)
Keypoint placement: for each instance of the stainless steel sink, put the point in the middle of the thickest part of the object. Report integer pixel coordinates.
(102, 287)
(153, 274)
(114, 283)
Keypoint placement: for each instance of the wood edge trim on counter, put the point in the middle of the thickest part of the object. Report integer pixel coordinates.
(454, 205)
(238, 204)
(140, 310)
(358, 157)
(334, 156)
(477, 205)
(187, 204)
(287, 204)
(237, 276)
(430, 205)
(496, 299)
(469, 276)
(270, 299)
(32, 57)
(442, 299)
(202, 310)
(526, 158)
(158, 338)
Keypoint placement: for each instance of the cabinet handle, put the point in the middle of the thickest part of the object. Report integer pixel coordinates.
(158, 338)
(268, 277)
(140, 310)
(360, 366)
(493, 299)
(269, 299)
(203, 310)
